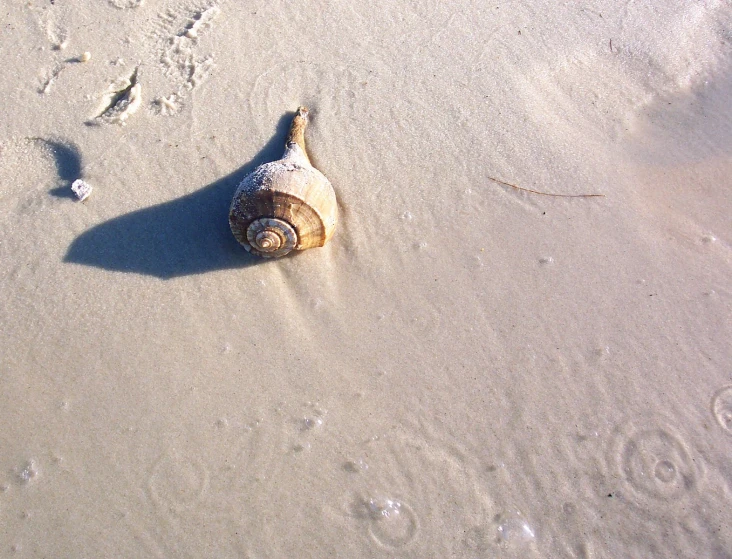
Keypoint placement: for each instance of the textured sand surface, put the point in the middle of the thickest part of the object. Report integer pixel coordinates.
(465, 370)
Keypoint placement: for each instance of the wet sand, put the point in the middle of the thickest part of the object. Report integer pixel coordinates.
(465, 370)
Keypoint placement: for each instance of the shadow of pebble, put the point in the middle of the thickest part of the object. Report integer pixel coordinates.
(189, 235)
(68, 165)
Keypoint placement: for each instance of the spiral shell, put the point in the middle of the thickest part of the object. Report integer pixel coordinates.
(285, 205)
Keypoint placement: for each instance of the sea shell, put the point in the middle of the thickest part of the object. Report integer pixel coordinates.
(285, 205)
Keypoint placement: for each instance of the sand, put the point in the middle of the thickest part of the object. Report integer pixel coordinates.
(465, 370)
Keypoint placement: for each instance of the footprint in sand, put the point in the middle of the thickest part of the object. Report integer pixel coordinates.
(176, 33)
(50, 21)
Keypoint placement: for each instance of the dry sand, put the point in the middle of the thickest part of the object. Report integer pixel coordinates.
(466, 370)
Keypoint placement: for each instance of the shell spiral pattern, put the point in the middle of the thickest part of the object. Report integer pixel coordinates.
(272, 237)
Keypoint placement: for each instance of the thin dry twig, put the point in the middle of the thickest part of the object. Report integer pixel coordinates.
(547, 193)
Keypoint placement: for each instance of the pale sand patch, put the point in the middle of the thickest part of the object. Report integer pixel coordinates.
(465, 370)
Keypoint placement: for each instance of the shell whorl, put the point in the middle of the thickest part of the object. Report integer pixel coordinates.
(270, 237)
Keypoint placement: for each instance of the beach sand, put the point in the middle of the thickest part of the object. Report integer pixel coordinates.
(466, 370)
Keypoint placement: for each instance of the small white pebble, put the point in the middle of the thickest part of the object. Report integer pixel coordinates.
(311, 423)
(28, 472)
(81, 189)
(85, 57)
